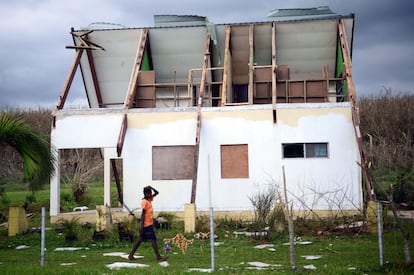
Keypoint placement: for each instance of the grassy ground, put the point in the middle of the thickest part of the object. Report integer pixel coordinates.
(340, 253)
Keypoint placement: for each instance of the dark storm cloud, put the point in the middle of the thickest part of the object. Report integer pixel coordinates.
(35, 32)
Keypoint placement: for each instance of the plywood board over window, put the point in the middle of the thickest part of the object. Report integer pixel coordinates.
(234, 161)
(172, 162)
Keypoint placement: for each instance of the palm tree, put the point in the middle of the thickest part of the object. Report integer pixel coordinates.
(38, 161)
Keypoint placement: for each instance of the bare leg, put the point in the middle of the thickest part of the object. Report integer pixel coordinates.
(157, 253)
(134, 248)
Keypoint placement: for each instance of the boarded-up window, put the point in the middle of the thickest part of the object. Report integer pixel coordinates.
(234, 161)
(172, 162)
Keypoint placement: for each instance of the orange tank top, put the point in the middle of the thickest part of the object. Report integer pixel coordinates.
(147, 205)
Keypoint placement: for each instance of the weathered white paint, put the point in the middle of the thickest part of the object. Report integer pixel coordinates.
(337, 177)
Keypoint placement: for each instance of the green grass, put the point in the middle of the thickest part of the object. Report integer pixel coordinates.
(17, 195)
(340, 255)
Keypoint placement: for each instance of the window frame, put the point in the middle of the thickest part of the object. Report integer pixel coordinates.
(323, 153)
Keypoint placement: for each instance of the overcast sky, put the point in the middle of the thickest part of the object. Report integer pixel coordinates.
(34, 33)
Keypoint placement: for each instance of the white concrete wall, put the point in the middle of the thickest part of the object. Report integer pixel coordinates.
(318, 183)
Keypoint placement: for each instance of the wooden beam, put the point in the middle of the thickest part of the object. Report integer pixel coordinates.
(347, 61)
(274, 76)
(117, 181)
(94, 77)
(68, 81)
(251, 64)
(203, 81)
(352, 98)
(121, 136)
(137, 68)
(226, 73)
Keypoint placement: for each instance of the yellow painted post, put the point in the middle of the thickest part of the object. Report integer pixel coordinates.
(372, 217)
(189, 217)
(102, 218)
(17, 220)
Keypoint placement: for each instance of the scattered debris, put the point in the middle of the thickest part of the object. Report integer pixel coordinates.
(311, 257)
(207, 270)
(68, 248)
(125, 256)
(204, 235)
(164, 264)
(259, 264)
(218, 243)
(351, 225)
(67, 264)
(250, 234)
(302, 243)
(352, 268)
(179, 241)
(310, 267)
(115, 254)
(119, 265)
(261, 246)
(22, 246)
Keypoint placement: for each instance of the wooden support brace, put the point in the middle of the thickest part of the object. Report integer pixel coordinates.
(352, 98)
(251, 64)
(121, 136)
(137, 68)
(206, 60)
(227, 67)
(274, 76)
(68, 81)
(117, 181)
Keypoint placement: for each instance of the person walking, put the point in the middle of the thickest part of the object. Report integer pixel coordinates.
(146, 231)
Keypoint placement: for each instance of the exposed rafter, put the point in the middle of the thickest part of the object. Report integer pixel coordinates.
(352, 99)
(136, 70)
(68, 81)
(274, 70)
(121, 136)
(94, 77)
(251, 61)
(203, 81)
(84, 44)
(227, 67)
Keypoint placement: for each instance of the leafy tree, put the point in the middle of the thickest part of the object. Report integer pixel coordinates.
(38, 161)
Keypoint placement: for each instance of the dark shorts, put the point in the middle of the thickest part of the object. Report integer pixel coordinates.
(149, 233)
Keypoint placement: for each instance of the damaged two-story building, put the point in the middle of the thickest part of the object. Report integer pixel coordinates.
(195, 108)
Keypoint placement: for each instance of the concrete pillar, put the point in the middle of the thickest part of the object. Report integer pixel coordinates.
(103, 218)
(17, 221)
(189, 217)
(55, 185)
(372, 217)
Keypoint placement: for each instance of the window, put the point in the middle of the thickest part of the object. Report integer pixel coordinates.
(172, 162)
(234, 161)
(305, 150)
